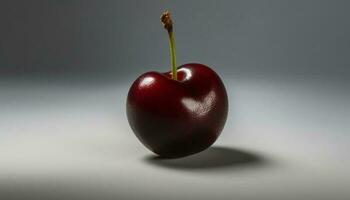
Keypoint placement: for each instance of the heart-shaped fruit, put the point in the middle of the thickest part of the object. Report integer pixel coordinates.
(178, 118)
(177, 113)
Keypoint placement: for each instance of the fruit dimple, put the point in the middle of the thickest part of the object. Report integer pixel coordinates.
(181, 76)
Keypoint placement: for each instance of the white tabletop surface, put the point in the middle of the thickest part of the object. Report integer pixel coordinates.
(284, 139)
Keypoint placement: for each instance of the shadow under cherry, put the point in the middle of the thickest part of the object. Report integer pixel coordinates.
(212, 158)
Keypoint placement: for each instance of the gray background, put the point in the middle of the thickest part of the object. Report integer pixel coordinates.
(66, 66)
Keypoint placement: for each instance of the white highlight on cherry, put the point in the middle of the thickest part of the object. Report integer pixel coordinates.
(201, 108)
(187, 72)
(147, 81)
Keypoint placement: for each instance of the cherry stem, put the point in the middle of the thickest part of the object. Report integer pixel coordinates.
(172, 55)
(168, 25)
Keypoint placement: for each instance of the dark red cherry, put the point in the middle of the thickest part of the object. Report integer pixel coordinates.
(175, 118)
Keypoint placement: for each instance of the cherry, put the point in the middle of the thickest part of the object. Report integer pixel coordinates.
(177, 113)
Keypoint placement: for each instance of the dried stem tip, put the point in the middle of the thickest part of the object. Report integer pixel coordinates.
(166, 21)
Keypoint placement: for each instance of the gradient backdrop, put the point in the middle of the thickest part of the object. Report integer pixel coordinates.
(65, 70)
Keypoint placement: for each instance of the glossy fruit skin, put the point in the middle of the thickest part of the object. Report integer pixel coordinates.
(178, 118)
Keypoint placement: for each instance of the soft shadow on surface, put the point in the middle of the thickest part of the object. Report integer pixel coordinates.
(214, 157)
